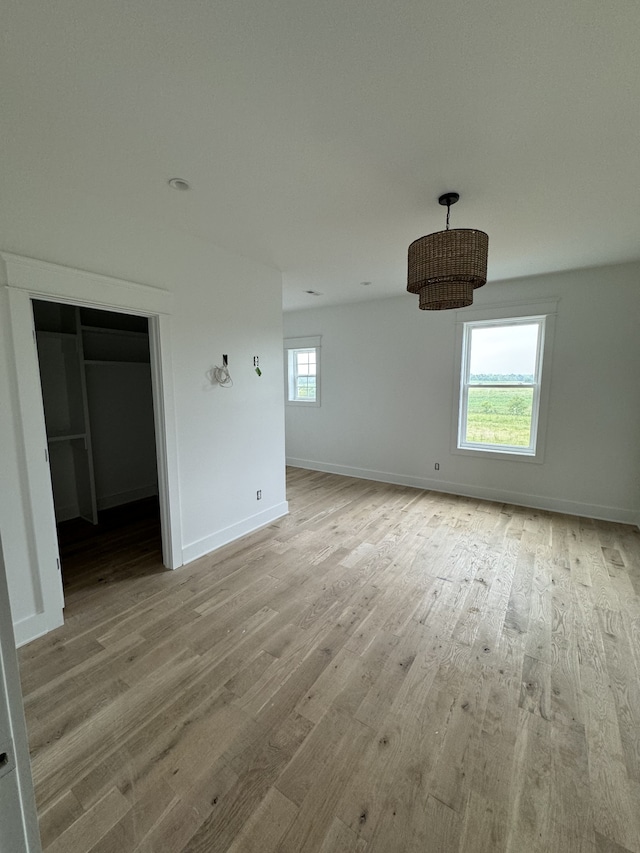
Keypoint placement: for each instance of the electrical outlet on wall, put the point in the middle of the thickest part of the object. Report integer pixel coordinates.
(259, 495)
(437, 466)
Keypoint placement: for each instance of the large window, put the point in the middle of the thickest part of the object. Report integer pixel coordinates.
(303, 371)
(500, 385)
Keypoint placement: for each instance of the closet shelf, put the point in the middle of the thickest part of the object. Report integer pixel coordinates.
(120, 361)
(67, 436)
(45, 333)
(99, 330)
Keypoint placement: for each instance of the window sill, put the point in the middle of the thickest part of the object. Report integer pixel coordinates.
(504, 455)
(304, 404)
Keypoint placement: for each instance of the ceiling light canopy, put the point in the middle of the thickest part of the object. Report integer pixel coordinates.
(446, 267)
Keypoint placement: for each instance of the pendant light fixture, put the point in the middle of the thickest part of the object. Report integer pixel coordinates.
(445, 267)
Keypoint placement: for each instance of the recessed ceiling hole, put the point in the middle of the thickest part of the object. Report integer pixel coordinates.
(179, 184)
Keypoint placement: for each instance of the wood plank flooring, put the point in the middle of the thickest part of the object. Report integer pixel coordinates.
(385, 670)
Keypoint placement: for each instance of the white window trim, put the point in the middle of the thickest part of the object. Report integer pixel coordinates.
(312, 342)
(517, 313)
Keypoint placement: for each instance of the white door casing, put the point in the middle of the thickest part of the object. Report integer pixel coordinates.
(18, 818)
(29, 279)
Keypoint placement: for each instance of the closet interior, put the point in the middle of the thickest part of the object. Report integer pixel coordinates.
(95, 376)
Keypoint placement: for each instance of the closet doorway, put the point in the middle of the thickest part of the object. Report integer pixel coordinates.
(95, 376)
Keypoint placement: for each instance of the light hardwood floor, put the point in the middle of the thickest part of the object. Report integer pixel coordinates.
(384, 670)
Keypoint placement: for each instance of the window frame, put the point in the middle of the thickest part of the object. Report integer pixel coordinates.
(291, 347)
(542, 313)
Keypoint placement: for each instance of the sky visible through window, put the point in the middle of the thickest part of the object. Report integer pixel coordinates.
(503, 351)
(306, 362)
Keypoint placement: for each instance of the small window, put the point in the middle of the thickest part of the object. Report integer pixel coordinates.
(302, 375)
(303, 371)
(500, 385)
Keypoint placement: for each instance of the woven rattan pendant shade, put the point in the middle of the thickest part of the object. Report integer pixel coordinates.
(444, 268)
(446, 294)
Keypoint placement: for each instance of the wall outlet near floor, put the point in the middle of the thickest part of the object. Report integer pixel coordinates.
(437, 466)
(259, 495)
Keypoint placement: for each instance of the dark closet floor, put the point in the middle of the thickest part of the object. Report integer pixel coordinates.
(125, 543)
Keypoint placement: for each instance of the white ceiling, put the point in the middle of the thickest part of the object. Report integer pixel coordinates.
(317, 134)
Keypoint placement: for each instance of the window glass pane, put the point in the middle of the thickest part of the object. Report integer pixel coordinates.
(503, 353)
(306, 363)
(499, 416)
(306, 388)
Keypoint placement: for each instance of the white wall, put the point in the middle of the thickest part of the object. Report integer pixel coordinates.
(231, 439)
(388, 396)
(230, 442)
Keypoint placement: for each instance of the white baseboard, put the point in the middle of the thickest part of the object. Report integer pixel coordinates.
(109, 501)
(32, 627)
(605, 513)
(234, 531)
(65, 513)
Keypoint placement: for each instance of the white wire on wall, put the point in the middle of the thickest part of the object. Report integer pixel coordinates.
(222, 376)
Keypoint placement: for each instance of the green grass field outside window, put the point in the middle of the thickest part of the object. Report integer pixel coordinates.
(499, 416)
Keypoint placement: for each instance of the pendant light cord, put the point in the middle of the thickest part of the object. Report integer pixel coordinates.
(448, 211)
